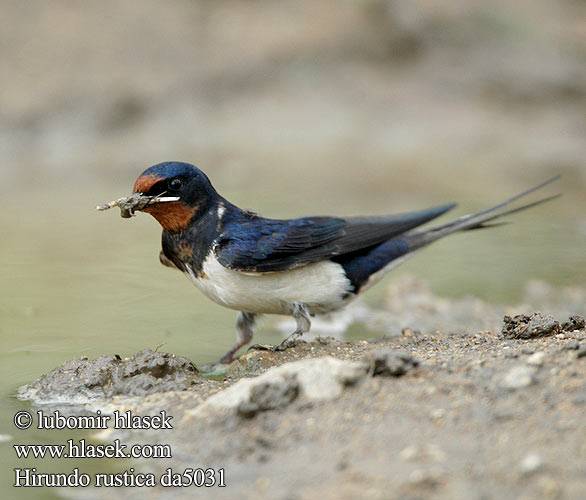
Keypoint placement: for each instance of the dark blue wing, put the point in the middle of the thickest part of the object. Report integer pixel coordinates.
(262, 245)
(273, 245)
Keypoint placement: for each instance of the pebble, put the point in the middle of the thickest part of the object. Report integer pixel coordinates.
(574, 323)
(438, 413)
(532, 463)
(392, 363)
(531, 326)
(536, 359)
(424, 453)
(519, 377)
(427, 478)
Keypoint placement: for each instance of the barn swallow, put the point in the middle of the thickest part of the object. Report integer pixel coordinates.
(299, 267)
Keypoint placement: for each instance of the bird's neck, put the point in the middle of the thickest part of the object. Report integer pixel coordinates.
(174, 216)
(192, 244)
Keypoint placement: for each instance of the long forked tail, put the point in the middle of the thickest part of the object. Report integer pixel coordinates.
(478, 220)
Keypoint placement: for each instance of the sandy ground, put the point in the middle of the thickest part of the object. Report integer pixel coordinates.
(478, 415)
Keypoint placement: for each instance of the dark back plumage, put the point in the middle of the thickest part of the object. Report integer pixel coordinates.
(262, 245)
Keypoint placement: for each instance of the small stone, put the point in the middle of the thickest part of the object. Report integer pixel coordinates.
(424, 454)
(438, 413)
(426, 478)
(560, 336)
(573, 345)
(519, 377)
(536, 325)
(581, 352)
(532, 463)
(536, 359)
(392, 363)
(574, 322)
(408, 454)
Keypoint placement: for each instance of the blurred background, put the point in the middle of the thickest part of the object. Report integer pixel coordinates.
(292, 108)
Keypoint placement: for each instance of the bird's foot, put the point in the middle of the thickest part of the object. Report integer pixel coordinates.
(290, 341)
(262, 347)
(301, 315)
(226, 359)
(286, 344)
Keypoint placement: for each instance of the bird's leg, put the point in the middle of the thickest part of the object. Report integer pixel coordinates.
(301, 315)
(244, 325)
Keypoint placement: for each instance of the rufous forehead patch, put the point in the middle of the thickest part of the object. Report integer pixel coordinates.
(145, 182)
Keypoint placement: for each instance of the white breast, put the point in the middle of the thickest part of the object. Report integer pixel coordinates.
(322, 286)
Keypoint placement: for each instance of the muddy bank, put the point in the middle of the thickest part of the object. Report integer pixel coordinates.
(83, 380)
(483, 414)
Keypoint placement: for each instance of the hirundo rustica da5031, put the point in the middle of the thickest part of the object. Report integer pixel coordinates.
(299, 267)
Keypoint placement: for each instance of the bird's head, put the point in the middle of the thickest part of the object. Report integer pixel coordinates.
(190, 189)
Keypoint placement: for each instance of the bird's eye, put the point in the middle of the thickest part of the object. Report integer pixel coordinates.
(175, 184)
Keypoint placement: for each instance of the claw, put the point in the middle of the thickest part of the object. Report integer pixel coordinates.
(286, 344)
(290, 341)
(262, 347)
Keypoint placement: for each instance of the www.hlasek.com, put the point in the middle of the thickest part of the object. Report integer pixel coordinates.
(31, 477)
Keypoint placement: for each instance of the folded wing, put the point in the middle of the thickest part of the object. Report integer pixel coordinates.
(264, 245)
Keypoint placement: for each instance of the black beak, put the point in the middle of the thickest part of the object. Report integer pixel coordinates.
(134, 202)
